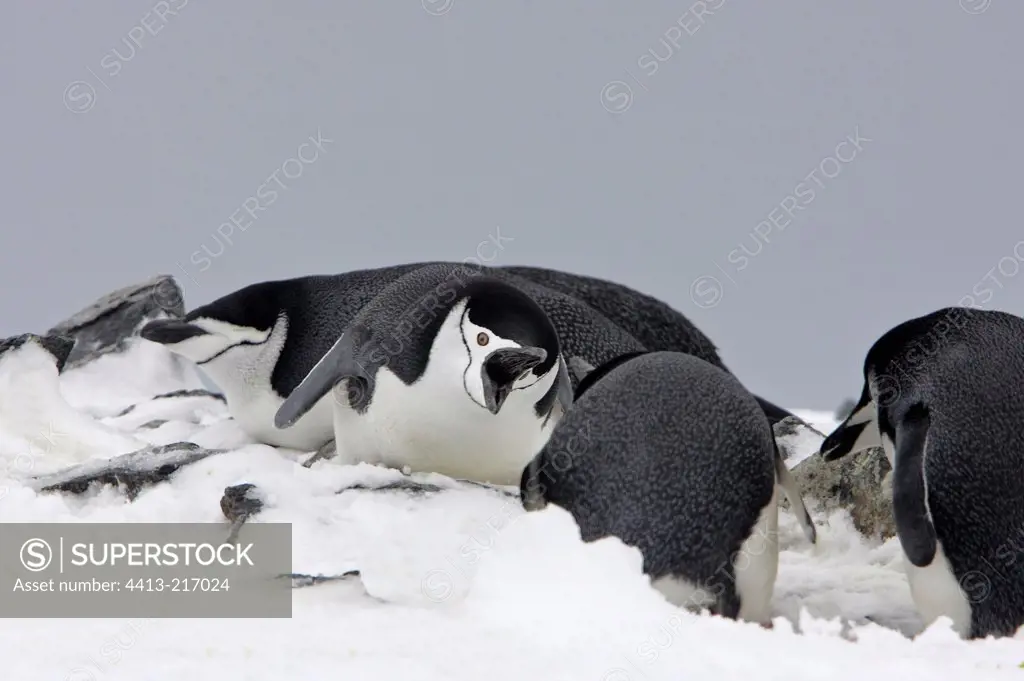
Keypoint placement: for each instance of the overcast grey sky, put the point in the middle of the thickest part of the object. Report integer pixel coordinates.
(642, 142)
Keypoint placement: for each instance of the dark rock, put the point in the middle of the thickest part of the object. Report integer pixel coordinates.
(300, 580)
(195, 392)
(155, 423)
(131, 471)
(108, 324)
(57, 345)
(408, 486)
(795, 437)
(858, 483)
(241, 502)
(414, 488)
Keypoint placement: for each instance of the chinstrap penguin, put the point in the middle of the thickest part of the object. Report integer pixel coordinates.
(672, 455)
(259, 342)
(442, 372)
(942, 395)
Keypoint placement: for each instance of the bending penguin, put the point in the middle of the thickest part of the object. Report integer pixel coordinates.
(942, 395)
(672, 455)
(462, 377)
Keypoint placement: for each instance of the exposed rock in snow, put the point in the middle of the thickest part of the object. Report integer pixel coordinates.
(109, 324)
(797, 439)
(131, 472)
(58, 346)
(858, 483)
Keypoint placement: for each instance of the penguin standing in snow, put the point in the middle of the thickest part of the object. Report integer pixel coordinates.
(442, 373)
(259, 342)
(943, 396)
(673, 456)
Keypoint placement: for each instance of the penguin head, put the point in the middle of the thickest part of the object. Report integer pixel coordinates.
(506, 346)
(857, 432)
(895, 368)
(487, 342)
(201, 339)
(244, 318)
(868, 424)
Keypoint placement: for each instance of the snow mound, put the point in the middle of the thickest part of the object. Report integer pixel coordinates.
(455, 584)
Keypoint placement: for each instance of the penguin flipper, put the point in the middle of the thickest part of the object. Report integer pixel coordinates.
(909, 502)
(336, 364)
(786, 480)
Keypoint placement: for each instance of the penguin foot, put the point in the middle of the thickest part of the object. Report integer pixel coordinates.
(327, 451)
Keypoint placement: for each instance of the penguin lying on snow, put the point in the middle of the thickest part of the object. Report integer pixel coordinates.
(259, 342)
(462, 377)
(943, 396)
(672, 455)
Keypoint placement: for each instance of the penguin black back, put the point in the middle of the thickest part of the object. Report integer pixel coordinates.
(404, 318)
(317, 308)
(657, 325)
(670, 454)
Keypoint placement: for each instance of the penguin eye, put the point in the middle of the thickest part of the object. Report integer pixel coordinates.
(482, 338)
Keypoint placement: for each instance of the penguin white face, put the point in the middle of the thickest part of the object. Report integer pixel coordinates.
(858, 432)
(202, 340)
(497, 366)
(493, 347)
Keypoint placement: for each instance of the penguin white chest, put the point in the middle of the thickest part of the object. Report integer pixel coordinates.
(254, 410)
(433, 426)
(936, 591)
(243, 370)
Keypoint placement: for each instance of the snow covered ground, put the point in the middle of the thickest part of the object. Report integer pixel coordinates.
(456, 585)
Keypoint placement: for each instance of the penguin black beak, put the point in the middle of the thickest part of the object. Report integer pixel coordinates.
(841, 441)
(503, 368)
(170, 331)
(853, 434)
